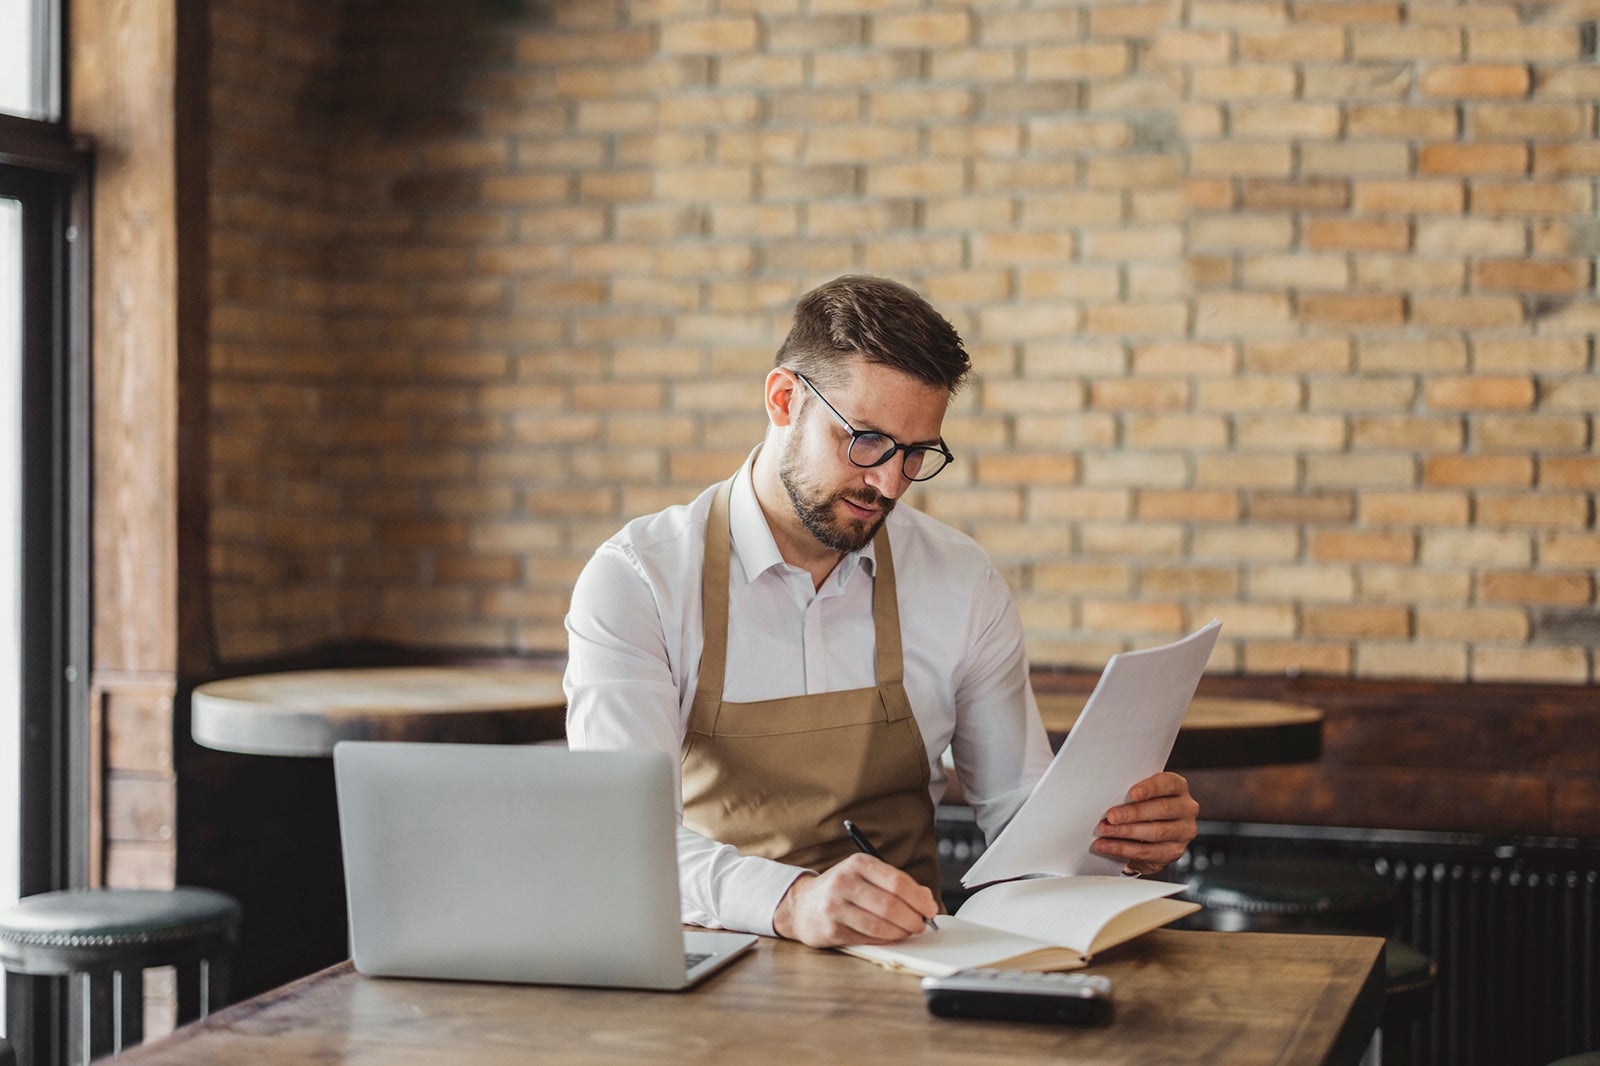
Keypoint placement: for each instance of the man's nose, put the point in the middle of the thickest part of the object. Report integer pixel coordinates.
(888, 478)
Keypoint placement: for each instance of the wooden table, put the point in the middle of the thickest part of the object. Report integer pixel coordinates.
(1236, 998)
(305, 712)
(1216, 732)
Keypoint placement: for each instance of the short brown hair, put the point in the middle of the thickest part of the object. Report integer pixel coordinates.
(878, 320)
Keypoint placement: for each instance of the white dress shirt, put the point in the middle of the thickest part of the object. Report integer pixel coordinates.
(633, 657)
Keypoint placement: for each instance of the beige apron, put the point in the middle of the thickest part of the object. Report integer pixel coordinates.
(778, 777)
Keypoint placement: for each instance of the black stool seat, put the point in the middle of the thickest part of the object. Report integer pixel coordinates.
(1292, 895)
(1409, 976)
(109, 936)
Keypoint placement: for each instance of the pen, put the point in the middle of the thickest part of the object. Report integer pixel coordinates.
(860, 840)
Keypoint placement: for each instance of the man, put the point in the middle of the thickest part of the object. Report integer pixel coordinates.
(809, 649)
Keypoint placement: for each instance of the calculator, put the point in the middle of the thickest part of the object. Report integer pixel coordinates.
(1019, 996)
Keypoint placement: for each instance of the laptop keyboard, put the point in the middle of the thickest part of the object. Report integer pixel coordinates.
(691, 959)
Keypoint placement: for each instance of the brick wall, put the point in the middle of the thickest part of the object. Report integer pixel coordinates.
(1281, 310)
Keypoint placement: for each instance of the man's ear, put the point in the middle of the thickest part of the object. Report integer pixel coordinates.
(782, 392)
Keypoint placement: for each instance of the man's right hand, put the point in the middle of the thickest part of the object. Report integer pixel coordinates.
(860, 901)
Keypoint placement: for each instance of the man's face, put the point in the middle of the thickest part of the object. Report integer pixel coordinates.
(840, 504)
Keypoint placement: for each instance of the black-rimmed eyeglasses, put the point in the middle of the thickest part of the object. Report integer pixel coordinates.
(918, 462)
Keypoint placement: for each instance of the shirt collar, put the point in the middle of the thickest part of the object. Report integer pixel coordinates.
(753, 545)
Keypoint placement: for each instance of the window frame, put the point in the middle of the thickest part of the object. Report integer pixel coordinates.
(42, 168)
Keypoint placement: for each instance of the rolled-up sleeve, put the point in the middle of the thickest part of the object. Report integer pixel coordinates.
(999, 747)
(623, 692)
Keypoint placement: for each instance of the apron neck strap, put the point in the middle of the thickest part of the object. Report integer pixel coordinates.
(714, 578)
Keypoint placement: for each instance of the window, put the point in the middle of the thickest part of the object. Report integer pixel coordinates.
(30, 60)
(44, 565)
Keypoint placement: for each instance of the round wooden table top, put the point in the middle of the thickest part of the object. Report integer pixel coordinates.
(1217, 732)
(305, 712)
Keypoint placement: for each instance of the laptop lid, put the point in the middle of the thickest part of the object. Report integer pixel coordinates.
(512, 863)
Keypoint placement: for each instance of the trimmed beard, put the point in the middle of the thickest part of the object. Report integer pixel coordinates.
(815, 507)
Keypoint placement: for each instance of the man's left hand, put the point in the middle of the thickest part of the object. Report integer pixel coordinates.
(1153, 827)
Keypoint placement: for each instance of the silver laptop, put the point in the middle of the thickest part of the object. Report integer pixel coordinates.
(488, 862)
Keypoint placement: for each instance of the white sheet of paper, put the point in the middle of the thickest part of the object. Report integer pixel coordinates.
(1124, 735)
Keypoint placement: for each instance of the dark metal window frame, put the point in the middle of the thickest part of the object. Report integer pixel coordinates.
(44, 170)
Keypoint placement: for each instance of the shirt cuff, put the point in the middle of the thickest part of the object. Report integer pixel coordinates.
(753, 891)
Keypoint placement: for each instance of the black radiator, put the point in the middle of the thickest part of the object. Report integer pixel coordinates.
(1511, 924)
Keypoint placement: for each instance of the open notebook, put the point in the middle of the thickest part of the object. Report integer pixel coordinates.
(1051, 901)
(492, 862)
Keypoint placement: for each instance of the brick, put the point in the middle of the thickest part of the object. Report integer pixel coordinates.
(1241, 314)
(1031, 98)
(1564, 665)
(1241, 232)
(1296, 43)
(1083, 579)
(1411, 660)
(1559, 160)
(865, 68)
(1170, 357)
(1347, 13)
(1472, 80)
(1243, 470)
(1367, 546)
(922, 29)
(1569, 549)
(1250, 394)
(1100, 283)
(1525, 43)
(1086, 60)
(1359, 471)
(1479, 312)
(1353, 233)
(1133, 617)
(1409, 44)
(1569, 82)
(1544, 433)
(1525, 275)
(1472, 624)
(1143, 471)
(1297, 271)
(1480, 392)
(1388, 272)
(1300, 432)
(1569, 472)
(1569, 590)
(1401, 120)
(1408, 197)
(1531, 198)
(1357, 81)
(1475, 547)
(1024, 468)
(1245, 544)
(1550, 510)
(1080, 505)
(1413, 585)
(1578, 394)
(815, 33)
(1523, 120)
(1358, 622)
(1267, 659)
(1407, 431)
(1352, 309)
(1143, 540)
(1186, 505)
(1176, 431)
(1136, 318)
(1192, 47)
(1302, 583)
(1284, 120)
(1476, 471)
(1243, 81)
(735, 33)
(1472, 159)
(1355, 158)
(1129, 20)
(1300, 507)
(1306, 355)
(1413, 508)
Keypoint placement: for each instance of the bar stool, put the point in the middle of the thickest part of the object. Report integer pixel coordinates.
(106, 938)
